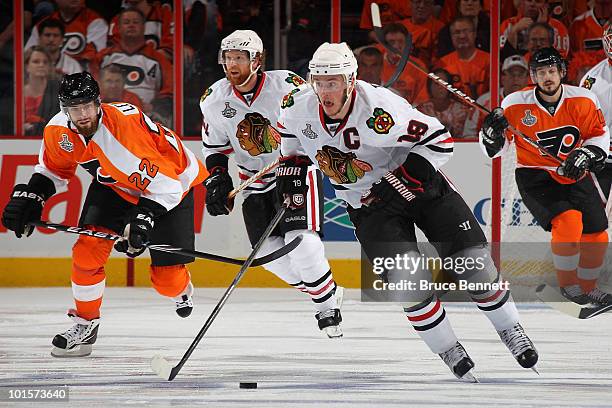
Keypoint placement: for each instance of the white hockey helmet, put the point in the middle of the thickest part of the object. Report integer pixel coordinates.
(333, 59)
(242, 40)
(607, 39)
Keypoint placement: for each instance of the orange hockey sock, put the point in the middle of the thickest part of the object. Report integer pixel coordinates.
(566, 232)
(592, 255)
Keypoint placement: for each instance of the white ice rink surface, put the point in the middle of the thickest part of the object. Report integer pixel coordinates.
(270, 336)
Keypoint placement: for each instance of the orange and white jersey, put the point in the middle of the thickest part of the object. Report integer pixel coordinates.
(129, 152)
(147, 71)
(159, 28)
(577, 121)
(586, 33)
(85, 34)
(561, 43)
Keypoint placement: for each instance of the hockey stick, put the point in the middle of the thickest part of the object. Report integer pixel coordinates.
(181, 251)
(253, 179)
(160, 365)
(376, 22)
(553, 298)
(461, 95)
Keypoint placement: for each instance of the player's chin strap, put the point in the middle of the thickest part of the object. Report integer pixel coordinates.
(272, 256)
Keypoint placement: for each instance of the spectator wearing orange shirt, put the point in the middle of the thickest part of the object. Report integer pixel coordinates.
(390, 12)
(370, 65)
(587, 28)
(514, 29)
(472, 9)
(86, 30)
(469, 63)
(159, 25)
(112, 87)
(147, 71)
(424, 28)
(411, 83)
(449, 111)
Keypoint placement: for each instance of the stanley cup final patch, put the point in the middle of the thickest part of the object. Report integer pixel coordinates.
(528, 119)
(66, 144)
(228, 112)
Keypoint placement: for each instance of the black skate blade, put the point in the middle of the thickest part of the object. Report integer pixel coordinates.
(536, 370)
(469, 377)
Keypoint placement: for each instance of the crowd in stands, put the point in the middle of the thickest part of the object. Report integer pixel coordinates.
(128, 46)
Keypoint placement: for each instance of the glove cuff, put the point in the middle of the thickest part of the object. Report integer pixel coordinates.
(150, 206)
(217, 160)
(41, 185)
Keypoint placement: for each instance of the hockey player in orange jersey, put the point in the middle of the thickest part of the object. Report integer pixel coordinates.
(568, 122)
(142, 188)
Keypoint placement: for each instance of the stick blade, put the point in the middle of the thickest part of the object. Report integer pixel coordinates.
(161, 367)
(375, 11)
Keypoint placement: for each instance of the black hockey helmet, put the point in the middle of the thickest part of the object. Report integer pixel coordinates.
(546, 57)
(78, 88)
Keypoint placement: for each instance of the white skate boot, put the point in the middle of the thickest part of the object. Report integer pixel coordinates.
(184, 301)
(78, 340)
(520, 346)
(457, 359)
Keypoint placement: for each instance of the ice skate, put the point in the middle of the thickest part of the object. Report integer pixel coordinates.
(78, 340)
(184, 301)
(520, 346)
(599, 298)
(575, 294)
(457, 359)
(329, 322)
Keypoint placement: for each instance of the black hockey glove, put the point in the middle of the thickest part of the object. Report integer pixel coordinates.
(26, 204)
(137, 233)
(218, 186)
(397, 189)
(291, 180)
(580, 160)
(492, 133)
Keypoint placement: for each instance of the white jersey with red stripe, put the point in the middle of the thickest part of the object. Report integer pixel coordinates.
(129, 153)
(375, 137)
(599, 80)
(246, 126)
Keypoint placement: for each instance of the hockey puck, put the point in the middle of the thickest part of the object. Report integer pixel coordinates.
(248, 385)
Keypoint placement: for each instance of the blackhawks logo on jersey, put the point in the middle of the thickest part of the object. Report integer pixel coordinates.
(288, 99)
(588, 82)
(294, 79)
(256, 135)
(381, 121)
(207, 92)
(341, 167)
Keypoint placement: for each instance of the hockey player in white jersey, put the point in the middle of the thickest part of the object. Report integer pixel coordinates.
(239, 112)
(383, 158)
(599, 80)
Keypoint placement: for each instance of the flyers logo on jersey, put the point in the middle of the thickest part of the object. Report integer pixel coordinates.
(207, 92)
(381, 121)
(528, 119)
(588, 82)
(134, 75)
(343, 168)
(288, 99)
(66, 144)
(295, 80)
(74, 43)
(559, 141)
(256, 135)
